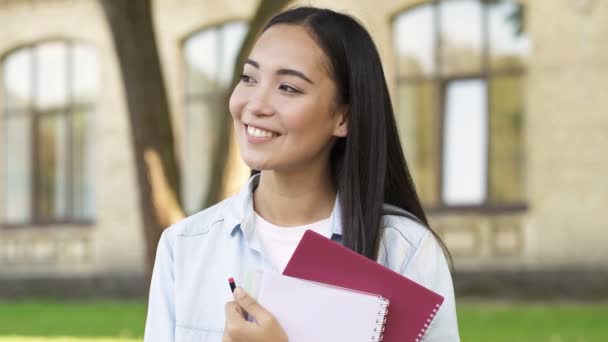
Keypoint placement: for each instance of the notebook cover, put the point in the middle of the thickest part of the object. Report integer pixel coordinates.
(310, 311)
(412, 306)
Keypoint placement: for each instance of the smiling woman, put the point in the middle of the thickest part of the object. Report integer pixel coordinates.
(314, 122)
(286, 99)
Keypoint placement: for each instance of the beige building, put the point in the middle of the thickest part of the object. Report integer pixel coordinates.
(499, 104)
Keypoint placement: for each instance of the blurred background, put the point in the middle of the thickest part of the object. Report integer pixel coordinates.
(114, 125)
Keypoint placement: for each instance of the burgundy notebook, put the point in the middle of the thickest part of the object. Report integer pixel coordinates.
(411, 308)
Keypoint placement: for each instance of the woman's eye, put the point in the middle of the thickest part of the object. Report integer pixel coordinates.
(288, 89)
(246, 78)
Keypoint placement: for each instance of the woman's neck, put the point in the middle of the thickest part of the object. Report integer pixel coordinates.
(294, 199)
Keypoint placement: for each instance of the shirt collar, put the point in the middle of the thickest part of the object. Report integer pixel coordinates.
(239, 213)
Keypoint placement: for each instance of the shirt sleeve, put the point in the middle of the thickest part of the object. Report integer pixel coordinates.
(160, 321)
(428, 267)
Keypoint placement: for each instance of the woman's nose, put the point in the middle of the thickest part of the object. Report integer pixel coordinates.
(260, 103)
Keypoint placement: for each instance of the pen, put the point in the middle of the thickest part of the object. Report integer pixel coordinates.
(232, 287)
(232, 284)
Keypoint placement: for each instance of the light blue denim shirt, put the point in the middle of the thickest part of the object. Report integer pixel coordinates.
(197, 255)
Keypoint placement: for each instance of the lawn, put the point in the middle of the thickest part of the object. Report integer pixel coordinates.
(104, 321)
(50, 320)
(557, 322)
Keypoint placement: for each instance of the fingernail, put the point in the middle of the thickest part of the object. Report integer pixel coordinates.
(239, 293)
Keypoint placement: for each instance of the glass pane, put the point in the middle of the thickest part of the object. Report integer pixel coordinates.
(232, 38)
(202, 62)
(507, 149)
(509, 44)
(418, 129)
(51, 76)
(414, 35)
(465, 143)
(82, 166)
(18, 187)
(17, 88)
(85, 73)
(52, 166)
(200, 144)
(461, 39)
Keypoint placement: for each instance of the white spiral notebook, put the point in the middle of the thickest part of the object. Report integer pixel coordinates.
(310, 311)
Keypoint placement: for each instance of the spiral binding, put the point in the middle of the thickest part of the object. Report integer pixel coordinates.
(381, 321)
(427, 325)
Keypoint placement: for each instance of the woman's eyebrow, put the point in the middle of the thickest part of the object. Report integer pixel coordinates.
(291, 72)
(294, 73)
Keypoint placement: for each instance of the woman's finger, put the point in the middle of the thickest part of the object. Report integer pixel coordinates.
(234, 315)
(234, 322)
(245, 301)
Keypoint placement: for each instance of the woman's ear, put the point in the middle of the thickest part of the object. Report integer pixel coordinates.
(341, 127)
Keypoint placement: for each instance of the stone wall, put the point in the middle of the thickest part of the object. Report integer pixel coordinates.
(114, 242)
(567, 132)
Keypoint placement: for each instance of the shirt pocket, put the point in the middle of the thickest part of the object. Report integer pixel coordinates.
(192, 334)
(201, 317)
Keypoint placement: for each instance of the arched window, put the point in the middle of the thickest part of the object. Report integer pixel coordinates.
(48, 99)
(209, 57)
(460, 104)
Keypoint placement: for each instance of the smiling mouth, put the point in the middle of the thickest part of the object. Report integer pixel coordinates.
(260, 133)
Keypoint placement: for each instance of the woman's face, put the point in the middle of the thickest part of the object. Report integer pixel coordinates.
(284, 109)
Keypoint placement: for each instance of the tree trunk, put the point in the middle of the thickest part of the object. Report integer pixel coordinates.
(132, 29)
(222, 163)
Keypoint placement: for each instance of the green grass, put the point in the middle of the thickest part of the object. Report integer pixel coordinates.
(85, 320)
(555, 322)
(105, 321)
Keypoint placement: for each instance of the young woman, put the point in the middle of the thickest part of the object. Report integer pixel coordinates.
(315, 123)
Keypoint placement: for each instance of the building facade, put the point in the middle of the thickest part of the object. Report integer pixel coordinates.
(499, 106)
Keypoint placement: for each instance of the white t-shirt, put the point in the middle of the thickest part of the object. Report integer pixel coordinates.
(279, 243)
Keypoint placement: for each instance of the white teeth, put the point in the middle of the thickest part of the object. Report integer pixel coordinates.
(256, 132)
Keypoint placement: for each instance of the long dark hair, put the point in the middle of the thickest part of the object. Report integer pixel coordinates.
(368, 165)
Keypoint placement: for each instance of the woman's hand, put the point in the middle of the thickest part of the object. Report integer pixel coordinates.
(238, 329)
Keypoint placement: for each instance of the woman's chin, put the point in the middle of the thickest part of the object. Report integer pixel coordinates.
(256, 164)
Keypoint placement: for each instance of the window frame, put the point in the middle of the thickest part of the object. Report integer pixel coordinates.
(209, 97)
(68, 111)
(439, 83)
